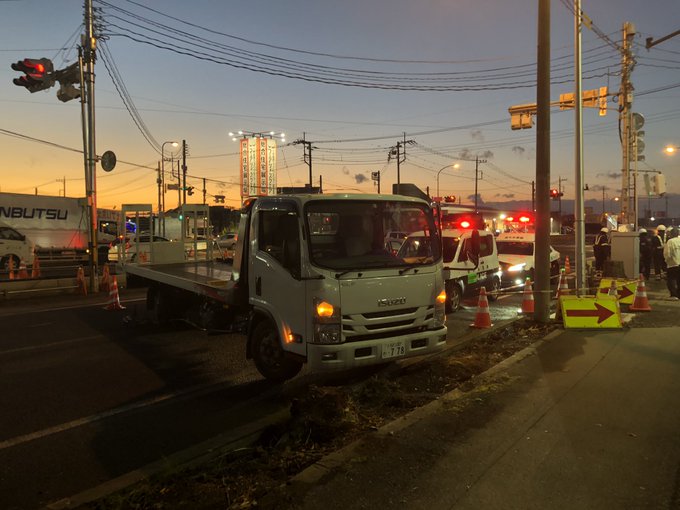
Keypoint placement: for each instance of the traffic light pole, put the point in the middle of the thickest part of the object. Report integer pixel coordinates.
(579, 213)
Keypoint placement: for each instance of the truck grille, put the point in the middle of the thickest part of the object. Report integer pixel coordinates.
(387, 323)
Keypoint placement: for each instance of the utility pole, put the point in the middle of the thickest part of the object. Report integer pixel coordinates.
(559, 199)
(159, 181)
(399, 151)
(533, 196)
(184, 172)
(179, 187)
(376, 179)
(89, 45)
(477, 177)
(204, 191)
(625, 103)
(307, 157)
(542, 273)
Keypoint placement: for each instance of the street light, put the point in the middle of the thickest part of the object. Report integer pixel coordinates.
(161, 183)
(670, 149)
(454, 165)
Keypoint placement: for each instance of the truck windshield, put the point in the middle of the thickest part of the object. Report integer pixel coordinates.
(515, 248)
(358, 234)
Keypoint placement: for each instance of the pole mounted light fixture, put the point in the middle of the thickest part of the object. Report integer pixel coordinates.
(254, 134)
(452, 165)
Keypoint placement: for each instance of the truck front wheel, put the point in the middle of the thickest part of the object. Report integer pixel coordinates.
(270, 358)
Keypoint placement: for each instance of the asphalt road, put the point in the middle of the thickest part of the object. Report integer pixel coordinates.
(89, 395)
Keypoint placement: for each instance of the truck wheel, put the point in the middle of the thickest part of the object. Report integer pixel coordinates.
(159, 305)
(270, 359)
(494, 288)
(453, 297)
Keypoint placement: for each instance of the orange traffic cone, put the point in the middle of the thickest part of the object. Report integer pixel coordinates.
(613, 291)
(10, 268)
(640, 302)
(528, 298)
(483, 317)
(114, 298)
(80, 282)
(35, 270)
(105, 283)
(23, 271)
(567, 265)
(562, 286)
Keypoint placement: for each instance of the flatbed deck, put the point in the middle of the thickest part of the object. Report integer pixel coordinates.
(208, 278)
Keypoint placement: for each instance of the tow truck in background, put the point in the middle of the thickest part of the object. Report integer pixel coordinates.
(311, 282)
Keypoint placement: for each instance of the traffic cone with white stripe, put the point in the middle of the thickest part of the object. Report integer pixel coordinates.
(483, 317)
(35, 270)
(114, 298)
(528, 298)
(640, 302)
(613, 291)
(80, 282)
(23, 270)
(10, 268)
(567, 265)
(105, 283)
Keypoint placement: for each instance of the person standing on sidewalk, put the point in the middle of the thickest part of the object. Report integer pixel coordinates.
(658, 240)
(601, 248)
(646, 252)
(671, 254)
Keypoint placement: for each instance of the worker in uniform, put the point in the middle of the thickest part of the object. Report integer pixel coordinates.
(671, 253)
(601, 248)
(646, 253)
(658, 240)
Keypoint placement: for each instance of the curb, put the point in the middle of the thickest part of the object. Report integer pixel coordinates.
(203, 452)
(323, 467)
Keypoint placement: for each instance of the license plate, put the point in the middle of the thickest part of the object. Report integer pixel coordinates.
(393, 350)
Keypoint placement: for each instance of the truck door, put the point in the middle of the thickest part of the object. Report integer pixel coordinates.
(274, 276)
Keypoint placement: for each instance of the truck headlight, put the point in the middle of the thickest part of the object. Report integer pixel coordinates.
(440, 310)
(327, 327)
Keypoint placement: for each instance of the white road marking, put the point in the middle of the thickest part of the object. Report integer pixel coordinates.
(51, 344)
(9, 443)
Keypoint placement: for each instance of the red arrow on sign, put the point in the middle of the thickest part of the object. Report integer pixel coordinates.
(623, 292)
(602, 313)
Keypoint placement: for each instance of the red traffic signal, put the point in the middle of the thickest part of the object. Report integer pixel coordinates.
(38, 74)
(555, 193)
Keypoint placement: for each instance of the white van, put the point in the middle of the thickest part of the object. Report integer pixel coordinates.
(14, 246)
(470, 262)
(516, 255)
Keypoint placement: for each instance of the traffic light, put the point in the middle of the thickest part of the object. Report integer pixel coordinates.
(38, 74)
(555, 194)
(190, 190)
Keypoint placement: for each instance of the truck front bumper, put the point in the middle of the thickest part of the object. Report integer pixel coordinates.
(372, 352)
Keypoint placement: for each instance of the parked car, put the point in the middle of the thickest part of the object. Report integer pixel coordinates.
(224, 246)
(464, 272)
(516, 255)
(134, 247)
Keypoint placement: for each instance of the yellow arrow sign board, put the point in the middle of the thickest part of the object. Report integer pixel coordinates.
(590, 312)
(625, 289)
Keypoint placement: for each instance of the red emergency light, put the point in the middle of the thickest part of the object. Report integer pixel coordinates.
(524, 219)
(465, 224)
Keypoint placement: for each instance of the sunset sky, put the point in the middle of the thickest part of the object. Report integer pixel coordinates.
(353, 77)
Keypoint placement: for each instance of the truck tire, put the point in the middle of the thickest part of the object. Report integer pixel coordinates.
(493, 288)
(454, 296)
(159, 305)
(270, 358)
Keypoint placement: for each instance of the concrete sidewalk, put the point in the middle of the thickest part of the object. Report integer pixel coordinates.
(589, 420)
